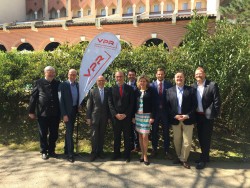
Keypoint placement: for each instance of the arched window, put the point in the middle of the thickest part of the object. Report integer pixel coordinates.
(155, 41)
(129, 10)
(2, 48)
(52, 46)
(25, 46)
(53, 14)
(141, 9)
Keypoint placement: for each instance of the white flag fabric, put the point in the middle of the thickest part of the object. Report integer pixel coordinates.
(100, 53)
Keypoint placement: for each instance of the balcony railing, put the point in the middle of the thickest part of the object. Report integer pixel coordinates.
(101, 19)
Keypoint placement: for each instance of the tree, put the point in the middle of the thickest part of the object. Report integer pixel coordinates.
(238, 10)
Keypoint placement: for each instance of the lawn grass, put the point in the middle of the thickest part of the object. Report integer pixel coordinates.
(22, 133)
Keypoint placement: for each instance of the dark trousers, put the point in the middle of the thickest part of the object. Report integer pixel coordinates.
(204, 129)
(97, 136)
(48, 127)
(69, 143)
(161, 117)
(134, 138)
(122, 126)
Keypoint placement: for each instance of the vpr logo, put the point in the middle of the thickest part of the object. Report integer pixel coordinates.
(106, 41)
(93, 66)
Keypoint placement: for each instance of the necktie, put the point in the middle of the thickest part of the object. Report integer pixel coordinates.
(160, 88)
(102, 95)
(120, 90)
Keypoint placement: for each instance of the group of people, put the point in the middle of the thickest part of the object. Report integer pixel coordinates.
(136, 109)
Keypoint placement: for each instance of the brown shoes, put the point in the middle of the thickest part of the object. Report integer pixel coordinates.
(185, 165)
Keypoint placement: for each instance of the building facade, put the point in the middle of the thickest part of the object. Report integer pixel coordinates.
(8, 15)
(50, 23)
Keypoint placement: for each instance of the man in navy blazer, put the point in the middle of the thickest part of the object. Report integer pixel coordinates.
(68, 93)
(208, 98)
(181, 102)
(121, 105)
(159, 87)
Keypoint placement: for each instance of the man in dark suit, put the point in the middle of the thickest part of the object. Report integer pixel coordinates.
(121, 104)
(134, 142)
(208, 98)
(44, 101)
(68, 94)
(159, 87)
(181, 102)
(97, 116)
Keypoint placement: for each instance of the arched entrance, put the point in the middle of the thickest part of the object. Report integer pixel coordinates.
(25, 46)
(52, 46)
(156, 42)
(2, 48)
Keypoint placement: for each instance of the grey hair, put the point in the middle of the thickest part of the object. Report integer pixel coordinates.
(49, 68)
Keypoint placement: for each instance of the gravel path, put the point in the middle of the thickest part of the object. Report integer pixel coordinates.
(26, 169)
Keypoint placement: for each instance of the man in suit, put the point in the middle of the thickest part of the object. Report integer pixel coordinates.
(121, 104)
(208, 98)
(97, 116)
(44, 101)
(159, 87)
(135, 146)
(181, 101)
(68, 94)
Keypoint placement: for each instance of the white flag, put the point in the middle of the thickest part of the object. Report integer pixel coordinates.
(100, 53)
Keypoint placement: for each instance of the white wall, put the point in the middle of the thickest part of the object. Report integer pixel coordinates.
(12, 10)
(213, 6)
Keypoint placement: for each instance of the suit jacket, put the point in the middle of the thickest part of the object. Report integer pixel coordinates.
(97, 110)
(210, 99)
(159, 98)
(148, 102)
(65, 98)
(124, 104)
(44, 98)
(188, 107)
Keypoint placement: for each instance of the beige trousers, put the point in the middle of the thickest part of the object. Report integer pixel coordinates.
(183, 140)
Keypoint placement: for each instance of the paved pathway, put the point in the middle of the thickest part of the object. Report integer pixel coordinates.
(27, 169)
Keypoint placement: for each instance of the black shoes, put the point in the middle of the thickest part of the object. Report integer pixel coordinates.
(153, 153)
(146, 163)
(53, 155)
(71, 158)
(92, 157)
(169, 156)
(200, 165)
(101, 156)
(177, 161)
(141, 160)
(127, 160)
(45, 156)
(199, 160)
(115, 157)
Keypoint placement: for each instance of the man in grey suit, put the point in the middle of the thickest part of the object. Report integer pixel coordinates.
(68, 93)
(97, 116)
(208, 98)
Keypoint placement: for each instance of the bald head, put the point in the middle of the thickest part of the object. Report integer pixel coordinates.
(119, 77)
(72, 74)
(101, 81)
